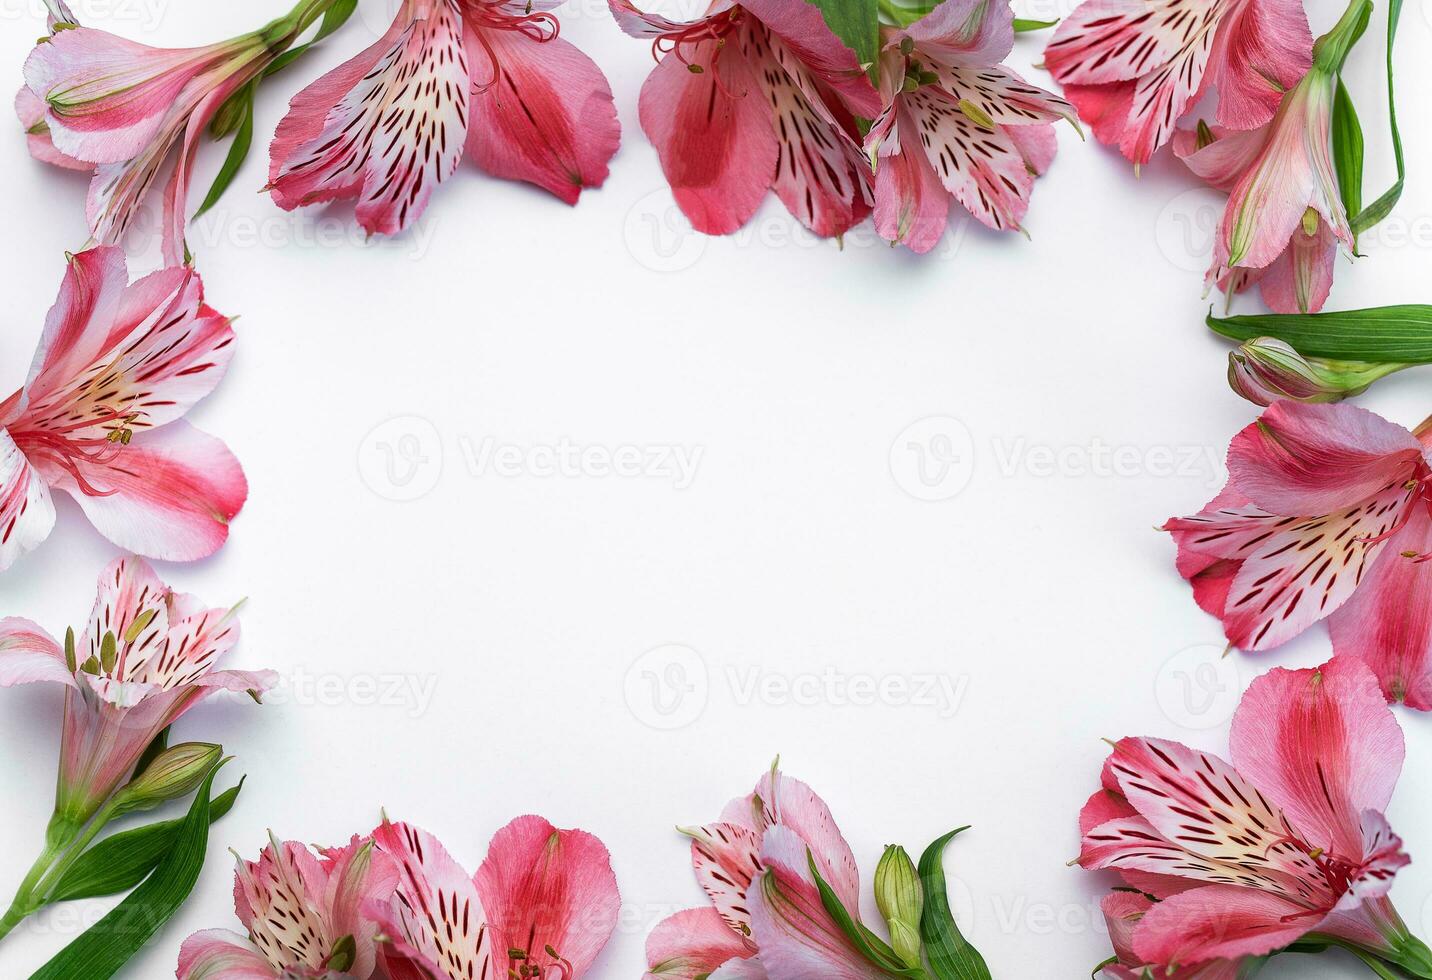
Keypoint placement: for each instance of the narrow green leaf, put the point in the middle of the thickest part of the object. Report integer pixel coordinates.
(1383, 206)
(950, 954)
(1387, 334)
(857, 23)
(1023, 25)
(238, 152)
(121, 861)
(871, 946)
(1347, 150)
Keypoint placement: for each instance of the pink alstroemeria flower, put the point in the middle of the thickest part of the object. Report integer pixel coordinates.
(755, 96)
(487, 77)
(1327, 515)
(146, 657)
(1134, 67)
(100, 417)
(543, 904)
(1123, 911)
(303, 915)
(1286, 843)
(957, 123)
(766, 918)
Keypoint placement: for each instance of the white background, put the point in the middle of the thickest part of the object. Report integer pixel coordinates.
(524, 605)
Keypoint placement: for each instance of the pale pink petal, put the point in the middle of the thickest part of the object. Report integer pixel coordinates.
(911, 206)
(1225, 160)
(715, 137)
(435, 918)
(726, 858)
(217, 954)
(358, 874)
(692, 944)
(1219, 922)
(77, 326)
(282, 900)
(1384, 627)
(785, 801)
(963, 32)
(545, 117)
(186, 653)
(751, 969)
(643, 24)
(31, 111)
(1299, 280)
(1322, 745)
(1383, 857)
(1037, 144)
(544, 888)
(1002, 95)
(128, 592)
(29, 655)
(1264, 48)
(171, 494)
(1313, 459)
(27, 514)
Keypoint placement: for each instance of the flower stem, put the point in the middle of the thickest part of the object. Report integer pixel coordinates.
(23, 904)
(1331, 50)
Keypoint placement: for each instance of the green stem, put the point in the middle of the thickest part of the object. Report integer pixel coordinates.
(74, 850)
(23, 904)
(1331, 50)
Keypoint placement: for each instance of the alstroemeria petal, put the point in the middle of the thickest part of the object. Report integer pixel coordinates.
(714, 135)
(358, 873)
(1219, 922)
(786, 801)
(1322, 745)
(802, 31)
(1106, 41)
(963, 32)
(1382, 627)
(1225, 160)
(170, 494)
(282, 895)
(132, 605)
(77, 326)
(692, 944)
(27, 513)
(548, 116)
(29, 655)
(544, 888)
(911, 205)
(217, 954)
(1264, 47)
(31, 110)
(1002, 96)
(726, 858)
(1299, 280)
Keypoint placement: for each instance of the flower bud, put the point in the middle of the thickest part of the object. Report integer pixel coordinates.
(175, 773)
(343, 954)
(901, 901)
(1265, 370)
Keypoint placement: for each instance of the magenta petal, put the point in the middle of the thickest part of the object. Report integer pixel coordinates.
(1323, 745)
(544, 888)
(693, 944)
(1263, 49)
(1219, 922)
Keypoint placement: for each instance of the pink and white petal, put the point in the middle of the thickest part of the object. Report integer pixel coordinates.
(1105, 41)
(1161, 97)
(187, 652)
(790, 803)
(128, 591)
(1002, 95)
(1315, 459)
(435, 917)
(802, 30)
(252, 682)
(29, 655)
(962, 32)
(27, 513)
(1382, 627)
(693, 944)
(77, 327)
(1299, 280)
(639, 23)
(544, 888)
(984, 169)
(821, 175)
(1104, 806)
(358, 874)
(911, 205)
(107, 97)
(1225, 160)
(1383, 857)
(1263, 49)
(1219, 922)
(218, 954)
(1323, 746)
(281, 892)
(715, 137)
(31, 111)
(545, 117)
(726, 858)
(789, 923)
(171, 494)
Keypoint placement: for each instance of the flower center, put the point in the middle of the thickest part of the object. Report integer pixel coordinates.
(71, 454)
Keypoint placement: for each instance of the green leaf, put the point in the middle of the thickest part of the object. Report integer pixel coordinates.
(238, 152)
(857, 23)
(1383, 206)
(1023, 25)
(105, 947)
(119, 862)
(950, 954)
(1347, 150)
(871, 946)
(1387, 334)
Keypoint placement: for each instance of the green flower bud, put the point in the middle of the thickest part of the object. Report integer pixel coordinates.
(341, 957)
(1265, 370)
(901, 901)
(175, 773)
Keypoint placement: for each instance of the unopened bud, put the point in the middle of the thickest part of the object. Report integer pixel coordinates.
(175, 773)
(901, 901)
(1265, 370)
